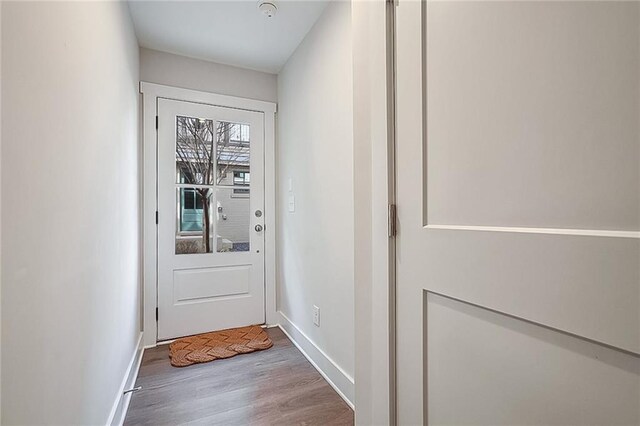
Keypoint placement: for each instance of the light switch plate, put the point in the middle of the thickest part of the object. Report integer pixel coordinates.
(292, 203)
(316, 315)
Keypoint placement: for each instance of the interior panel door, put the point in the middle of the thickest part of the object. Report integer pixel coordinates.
(518, 185)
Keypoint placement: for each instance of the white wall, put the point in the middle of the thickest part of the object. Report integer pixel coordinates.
(181, 71)
(315, 151)
(70, 209)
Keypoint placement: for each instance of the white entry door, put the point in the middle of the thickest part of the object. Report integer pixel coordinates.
(210, 218)
(518, 197)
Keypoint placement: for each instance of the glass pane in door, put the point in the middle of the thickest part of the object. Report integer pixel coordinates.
(232, 151)
(194, 151)
(194, 227)
(233, 219)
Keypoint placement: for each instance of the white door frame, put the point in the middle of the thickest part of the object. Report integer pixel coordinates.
(150, 94)
(374, 188)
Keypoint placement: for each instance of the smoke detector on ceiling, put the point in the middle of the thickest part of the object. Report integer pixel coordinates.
(268, 9)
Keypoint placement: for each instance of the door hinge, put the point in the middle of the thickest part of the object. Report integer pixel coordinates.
(156, 217)
(393, 221)
(156, 122)
(156, 314)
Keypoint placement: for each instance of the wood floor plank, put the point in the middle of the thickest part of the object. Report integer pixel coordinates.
(273, 387)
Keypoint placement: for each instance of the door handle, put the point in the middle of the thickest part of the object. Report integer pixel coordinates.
(259, 228)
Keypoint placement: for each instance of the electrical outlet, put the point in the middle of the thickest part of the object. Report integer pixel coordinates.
(316, 315)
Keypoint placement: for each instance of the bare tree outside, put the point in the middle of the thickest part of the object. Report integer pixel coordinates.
(197, 156)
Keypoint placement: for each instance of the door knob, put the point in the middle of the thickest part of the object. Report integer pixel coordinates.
(259, 228)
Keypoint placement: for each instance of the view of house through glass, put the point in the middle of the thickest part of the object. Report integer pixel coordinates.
(212, 182)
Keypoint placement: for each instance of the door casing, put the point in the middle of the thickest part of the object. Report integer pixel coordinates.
(151, 92)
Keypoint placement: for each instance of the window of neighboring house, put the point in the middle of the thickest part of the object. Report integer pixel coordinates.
(239, 132)
(191, 211)
(189, 199)
(192, 200)
(242, 179)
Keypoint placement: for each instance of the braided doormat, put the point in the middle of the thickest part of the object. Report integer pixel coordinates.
(218, 344)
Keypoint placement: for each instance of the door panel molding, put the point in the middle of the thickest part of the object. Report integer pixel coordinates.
(550, 231)
(488, 104)
(567, 368)
(151, 93)
(634, 354)
(235, 283)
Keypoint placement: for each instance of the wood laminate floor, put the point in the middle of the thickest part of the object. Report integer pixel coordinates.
(273, 387)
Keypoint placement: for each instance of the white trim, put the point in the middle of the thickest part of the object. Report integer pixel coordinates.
(150, 93)
(270, 216)
(551, 231)
(166, 342)
(150, 237)
(188, 95)
(374, 255)
(337, 378)
(121, 403)
(160, 343)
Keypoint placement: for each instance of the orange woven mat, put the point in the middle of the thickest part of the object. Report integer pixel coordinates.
(218, 344)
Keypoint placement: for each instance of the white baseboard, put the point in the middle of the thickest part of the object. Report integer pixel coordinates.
(339, 380)
(121, 403)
